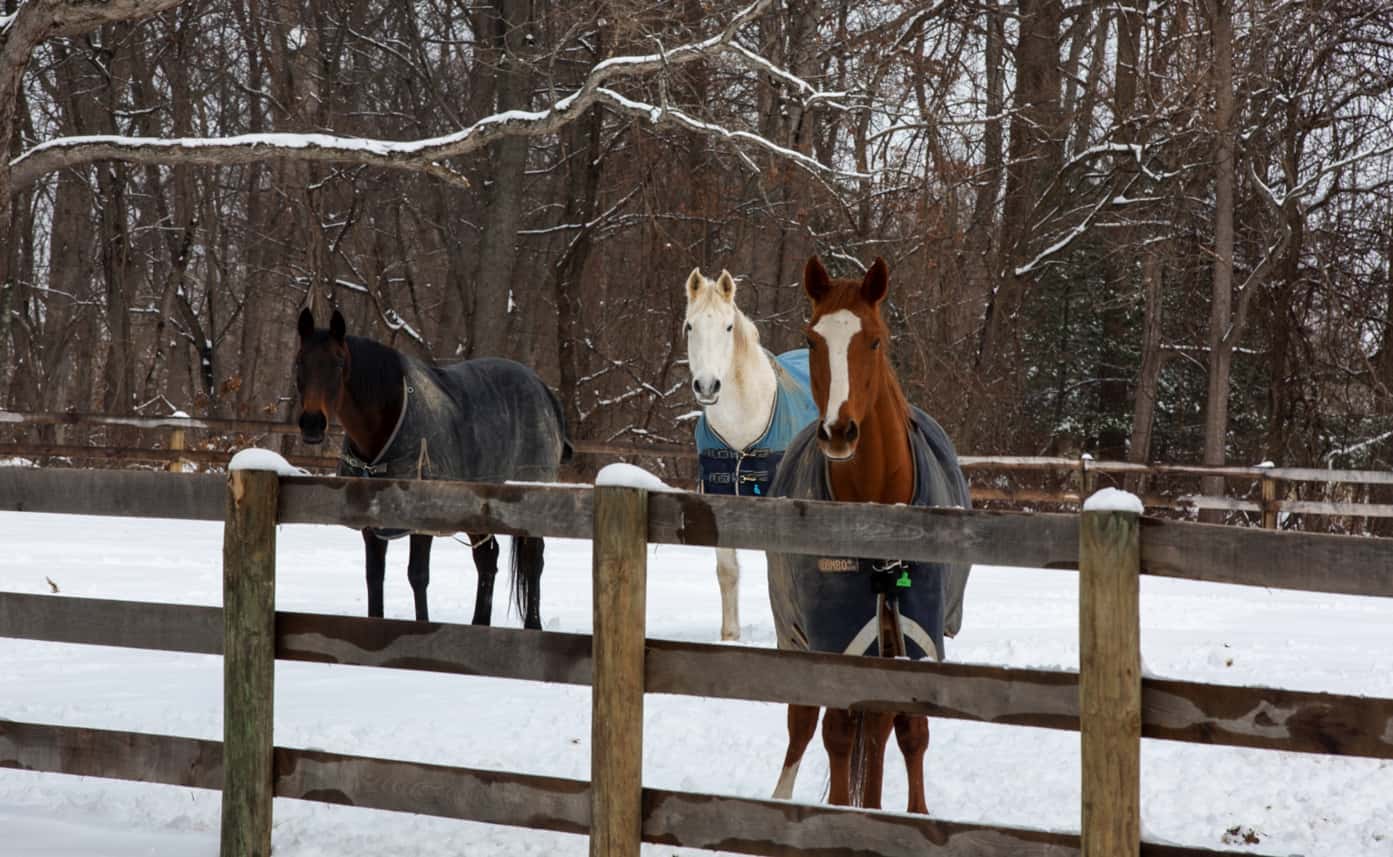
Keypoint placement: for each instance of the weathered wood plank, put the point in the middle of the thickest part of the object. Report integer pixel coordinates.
(616, 711)
(1199, 501)
(1268, 718)
(787, 829)
(249, 661)
(1314, 474)
(1110, 682)
(130, 494)
(441, 507)
(864, 530)
(100, 622)
(153, 422)
(112, 755)
(109, 455)
(1321, 507)
(431, 646)
(1312, 562)
(1294, 721)
(493, 797)
(960, 691)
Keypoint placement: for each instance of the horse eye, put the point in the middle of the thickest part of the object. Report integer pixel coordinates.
(687, 328)
(875, 345)
(730, 327)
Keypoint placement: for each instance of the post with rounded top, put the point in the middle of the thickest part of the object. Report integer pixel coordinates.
(1110, 673)
(249, 661)
(616, 728)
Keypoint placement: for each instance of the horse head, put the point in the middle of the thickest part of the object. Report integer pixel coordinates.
(321, 373)
(846, 357)
(712, 319)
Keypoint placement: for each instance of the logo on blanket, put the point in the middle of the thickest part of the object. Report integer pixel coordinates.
(836, 563)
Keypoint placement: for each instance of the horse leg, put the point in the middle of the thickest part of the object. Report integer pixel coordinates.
(838, 731)
(912, 733)
(418, 572)
(874, 736)
(375, 551)
(486, 564)
(527, 579)
(728, 573)
(802, 725)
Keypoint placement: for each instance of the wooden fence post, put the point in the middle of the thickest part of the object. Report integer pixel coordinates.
(1110, 682)
(616, 712)
(176, 444)
(249, 661)
(1269, 502)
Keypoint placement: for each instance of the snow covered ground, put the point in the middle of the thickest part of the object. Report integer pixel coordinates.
(1294, 804)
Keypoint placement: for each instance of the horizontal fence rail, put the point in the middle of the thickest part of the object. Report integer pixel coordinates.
(1316, 562)
(678, 819)
(1082, 473)
(1268, 718)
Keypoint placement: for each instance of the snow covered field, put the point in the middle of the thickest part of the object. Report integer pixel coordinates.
(1295, 804)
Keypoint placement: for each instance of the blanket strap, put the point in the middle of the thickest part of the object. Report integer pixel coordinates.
(888, 577)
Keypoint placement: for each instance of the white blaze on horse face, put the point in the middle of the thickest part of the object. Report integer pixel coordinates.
(710, 341)
(837, 329)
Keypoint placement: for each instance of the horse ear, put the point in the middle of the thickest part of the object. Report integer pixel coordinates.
(726, 285)
(306, 325)
(815, 280)
(694, 281)
(877, 282)
(338, 328)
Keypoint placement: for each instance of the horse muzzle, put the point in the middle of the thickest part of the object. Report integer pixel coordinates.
(313, 425)
(838, 443)
(707, 393)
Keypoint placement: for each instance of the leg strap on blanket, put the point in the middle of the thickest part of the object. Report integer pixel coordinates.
(887, 579)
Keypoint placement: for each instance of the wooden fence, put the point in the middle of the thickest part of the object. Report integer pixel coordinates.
(1110, 702)
(1066, 480)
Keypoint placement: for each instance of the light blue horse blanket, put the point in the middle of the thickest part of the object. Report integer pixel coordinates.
(751, 471)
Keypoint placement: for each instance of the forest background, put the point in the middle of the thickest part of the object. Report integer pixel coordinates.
(1156, 232)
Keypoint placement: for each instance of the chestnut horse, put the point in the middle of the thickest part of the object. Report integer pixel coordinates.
(868, 446)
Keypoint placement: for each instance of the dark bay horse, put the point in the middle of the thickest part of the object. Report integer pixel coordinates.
(869, 445)
(485, 420)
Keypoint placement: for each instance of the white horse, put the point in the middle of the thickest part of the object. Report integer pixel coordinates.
(736, 384)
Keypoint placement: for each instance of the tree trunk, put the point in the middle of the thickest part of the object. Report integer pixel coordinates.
(1216, 417)
(1121, 266)
(495, 293)
(1034, 159)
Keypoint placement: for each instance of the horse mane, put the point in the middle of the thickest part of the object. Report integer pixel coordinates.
(375, 371)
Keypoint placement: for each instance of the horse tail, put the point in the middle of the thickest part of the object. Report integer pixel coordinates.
(567, 451)
(524, 561)
(860, 754)
(518, 585)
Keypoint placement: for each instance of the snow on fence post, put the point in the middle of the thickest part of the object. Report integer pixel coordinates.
(249, 661)
(1110, 673)
(616, 729)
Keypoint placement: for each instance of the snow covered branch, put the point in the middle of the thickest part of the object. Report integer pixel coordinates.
(426, 155)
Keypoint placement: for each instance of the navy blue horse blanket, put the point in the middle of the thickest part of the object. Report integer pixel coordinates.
(484, 420)
(827, 604)
(750, 471)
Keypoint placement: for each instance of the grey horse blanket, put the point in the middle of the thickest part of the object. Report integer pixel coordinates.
(827, 604)
(485, 420)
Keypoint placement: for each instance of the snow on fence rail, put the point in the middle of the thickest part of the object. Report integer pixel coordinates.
(1119, 706)
(1083, 472)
